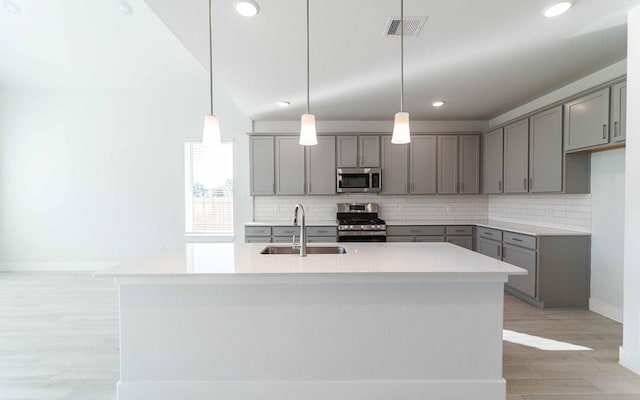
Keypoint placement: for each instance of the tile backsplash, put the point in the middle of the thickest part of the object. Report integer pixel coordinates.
(571, 212)
(392, 208)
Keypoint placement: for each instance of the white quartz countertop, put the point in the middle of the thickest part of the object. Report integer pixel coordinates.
(505, 226)
(443, 260)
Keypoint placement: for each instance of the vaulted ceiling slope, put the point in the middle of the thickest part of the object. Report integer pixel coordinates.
(482, 57)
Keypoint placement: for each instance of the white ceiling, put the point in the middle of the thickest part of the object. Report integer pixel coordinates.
(482, 57)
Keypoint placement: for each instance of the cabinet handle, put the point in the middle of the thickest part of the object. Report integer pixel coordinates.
(309, 190)
(525, 183)
(499, 255)
(273, 188)
(516, 240)
(615, 129)
(500, 186)
(488, 233)
(415, 231)
(461, 187)
(604, 131)
(530, 183)
(322, 231)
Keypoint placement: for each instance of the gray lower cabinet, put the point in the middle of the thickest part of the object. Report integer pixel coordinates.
(283, 234)
(462, 241)
(489, 247)
(447, 164)
(289, 166)
(257, 234)
(492, 161)
(423, 165)
(516, 157)
(619, 112)
(545, 151)
(469, 165)
(461, 235)
(320, 179)
(395, 167)
(523, 258)
(587, 121)
(262, 165)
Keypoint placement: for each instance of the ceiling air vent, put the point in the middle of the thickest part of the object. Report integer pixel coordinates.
(412, 26)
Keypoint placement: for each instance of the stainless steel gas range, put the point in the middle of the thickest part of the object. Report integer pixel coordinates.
(359, 222)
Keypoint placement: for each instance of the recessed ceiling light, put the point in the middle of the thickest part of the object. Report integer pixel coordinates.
(555, 9)
(12, 7)
(125, 7)
(247, 8)
(284, 103)
(438, 103)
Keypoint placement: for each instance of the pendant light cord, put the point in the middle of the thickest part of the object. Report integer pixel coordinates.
(210, 60)
(308, 57)
(401, 53)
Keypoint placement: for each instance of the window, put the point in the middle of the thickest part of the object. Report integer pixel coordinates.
(208, 176)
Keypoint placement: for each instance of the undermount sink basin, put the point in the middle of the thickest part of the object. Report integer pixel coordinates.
(310, 250)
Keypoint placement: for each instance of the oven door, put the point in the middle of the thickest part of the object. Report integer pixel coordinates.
(362, 236)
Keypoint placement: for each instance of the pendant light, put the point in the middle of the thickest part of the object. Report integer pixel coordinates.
(308, 135)
(401, 131)
(211, 132)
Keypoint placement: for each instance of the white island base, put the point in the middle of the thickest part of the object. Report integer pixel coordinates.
(312, 335)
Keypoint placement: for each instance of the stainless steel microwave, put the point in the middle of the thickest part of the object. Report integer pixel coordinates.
(358, 180)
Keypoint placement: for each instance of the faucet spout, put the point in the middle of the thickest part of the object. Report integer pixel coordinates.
(299, 210)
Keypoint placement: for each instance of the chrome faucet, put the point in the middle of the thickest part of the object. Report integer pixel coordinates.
(303, 229)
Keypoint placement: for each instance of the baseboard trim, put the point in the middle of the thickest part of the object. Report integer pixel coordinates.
(53, 267)
(605, 309)
(314, 390)
(630, 360)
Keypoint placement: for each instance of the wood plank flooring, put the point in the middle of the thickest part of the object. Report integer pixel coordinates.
(59, 340)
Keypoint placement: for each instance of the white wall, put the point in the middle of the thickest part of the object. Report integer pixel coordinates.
(607, 230)
(95, 176)
(630, 350)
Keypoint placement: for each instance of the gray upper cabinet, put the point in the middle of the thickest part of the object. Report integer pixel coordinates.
(447, 164)
(347, 152)
(587, 121)
(395, 167)
(423, 165)
(262, 165)
(358, 151)
(516, 157)
(369, 151)
(545, 151)
(289, 166)
(321, 178)
(469, 164)
(619, 112)
(493, 159)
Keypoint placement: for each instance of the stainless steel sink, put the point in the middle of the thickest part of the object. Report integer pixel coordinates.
(310, 250)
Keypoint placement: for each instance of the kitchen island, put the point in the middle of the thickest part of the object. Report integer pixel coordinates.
(384, 321)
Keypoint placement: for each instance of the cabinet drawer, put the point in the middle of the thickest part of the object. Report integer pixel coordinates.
(257, 239)
(322, 239)
(415, 230)
(462, 241)
(286, 230)
(322, 231)
(257, 231)
(489, 233)
(284, 239)
(489, 248)
(415, 238)
(519, 240)
(459, 230)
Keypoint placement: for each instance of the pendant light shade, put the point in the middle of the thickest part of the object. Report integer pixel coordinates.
(308, 135)
(401, 131)
(211, 131)
(308, 130)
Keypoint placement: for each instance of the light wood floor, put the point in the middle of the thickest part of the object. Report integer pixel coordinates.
(59, 340)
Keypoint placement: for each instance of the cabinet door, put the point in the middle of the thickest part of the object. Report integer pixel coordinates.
(469, 164)
(545, 151)
(447, 164)
(587, 120)
(289, 166)
(395, 167)
(369, 151)
(493, 156)
(523, 258)
(262, 166)
(516, 157)
(619, 112)
(321, 175)
(347, 152)
(462, 241)
(489, 248)
(422, 165)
